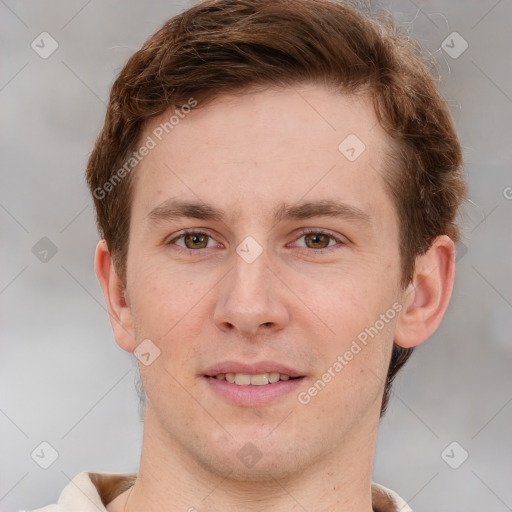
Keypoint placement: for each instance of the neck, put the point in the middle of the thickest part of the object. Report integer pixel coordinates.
(169, 478)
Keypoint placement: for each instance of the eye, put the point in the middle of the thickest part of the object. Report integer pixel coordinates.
(318, 239)
(193, 240)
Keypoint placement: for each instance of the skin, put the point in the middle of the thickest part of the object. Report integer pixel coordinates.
(296, 304)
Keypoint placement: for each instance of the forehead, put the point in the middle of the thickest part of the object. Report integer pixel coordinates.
(263, 147)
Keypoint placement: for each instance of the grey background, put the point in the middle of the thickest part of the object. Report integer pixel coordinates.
(63, 378)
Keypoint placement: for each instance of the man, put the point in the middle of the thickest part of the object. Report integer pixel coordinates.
(276, 187)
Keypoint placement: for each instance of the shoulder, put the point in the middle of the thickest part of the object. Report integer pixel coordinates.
(386, 500)
(48, 508)
(80, 490)
(90, 491)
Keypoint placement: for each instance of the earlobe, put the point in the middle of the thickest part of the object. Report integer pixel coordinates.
(115, 297)
(426, 299)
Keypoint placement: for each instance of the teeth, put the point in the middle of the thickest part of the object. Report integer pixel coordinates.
(259, 380)
(244, 379)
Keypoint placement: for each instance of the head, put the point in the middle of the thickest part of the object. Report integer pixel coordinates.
(243, 107)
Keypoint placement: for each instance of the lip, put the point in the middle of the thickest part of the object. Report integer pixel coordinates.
(252, 396)
(252, 368)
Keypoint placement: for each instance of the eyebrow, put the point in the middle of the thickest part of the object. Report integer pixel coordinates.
(322, 208)
(175, 209)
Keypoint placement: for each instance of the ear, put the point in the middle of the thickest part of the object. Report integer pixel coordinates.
(427, 297)
(115, 297)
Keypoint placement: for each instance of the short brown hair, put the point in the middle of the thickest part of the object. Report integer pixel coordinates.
(231, 46)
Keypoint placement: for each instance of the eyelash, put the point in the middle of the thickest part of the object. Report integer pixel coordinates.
(183, 234)
(307, 231)
(303, 232)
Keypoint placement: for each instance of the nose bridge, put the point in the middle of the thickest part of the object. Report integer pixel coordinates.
(249, 281)
(249, 298)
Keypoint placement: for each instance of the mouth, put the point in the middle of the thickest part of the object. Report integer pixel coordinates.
(252, 385)
(259, 379)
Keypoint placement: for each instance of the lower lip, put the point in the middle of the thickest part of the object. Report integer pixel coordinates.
(251, 396)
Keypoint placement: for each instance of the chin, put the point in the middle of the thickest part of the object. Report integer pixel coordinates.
(256, 457)
(268, 468)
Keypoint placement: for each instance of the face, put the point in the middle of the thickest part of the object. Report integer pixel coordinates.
(264, 246)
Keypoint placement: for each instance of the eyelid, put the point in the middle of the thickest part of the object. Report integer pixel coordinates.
(191, 231)
(337, 238)
(302, 233)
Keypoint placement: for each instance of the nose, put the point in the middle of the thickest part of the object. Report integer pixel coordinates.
(251, 299)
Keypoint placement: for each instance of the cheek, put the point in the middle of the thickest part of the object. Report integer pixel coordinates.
(351, 379)
(170, 310)
(352, 328)
(168, 305)
(343, 303)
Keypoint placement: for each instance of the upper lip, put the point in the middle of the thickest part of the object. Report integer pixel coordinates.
(255, 368)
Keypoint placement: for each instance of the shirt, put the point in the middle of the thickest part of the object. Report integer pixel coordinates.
(91, 492)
